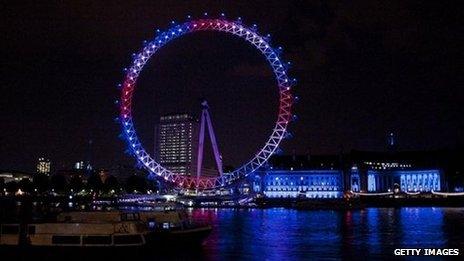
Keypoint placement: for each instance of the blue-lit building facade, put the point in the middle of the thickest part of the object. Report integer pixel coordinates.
(330, 176)
(407, 180)
(387, 171)
(300, 176)
(303, 183)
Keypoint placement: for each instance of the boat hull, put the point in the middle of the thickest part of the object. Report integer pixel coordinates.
(186, 237)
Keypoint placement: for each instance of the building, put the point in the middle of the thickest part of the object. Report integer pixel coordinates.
(303, 183)
(176, 143)
(16, 176)
(306, 176)
(408, 171)
(329, 176)
(79, 165)
(43, 166)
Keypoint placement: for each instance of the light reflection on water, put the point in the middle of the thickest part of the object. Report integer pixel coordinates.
(286, 234)
(275, 233)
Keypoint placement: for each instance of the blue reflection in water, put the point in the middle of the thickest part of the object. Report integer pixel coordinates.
(270, 234)
(422, 227)
(276, 234)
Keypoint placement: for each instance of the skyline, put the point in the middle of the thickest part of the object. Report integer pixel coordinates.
(61, 85)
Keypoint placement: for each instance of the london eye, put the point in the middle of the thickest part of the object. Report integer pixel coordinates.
(283, 82)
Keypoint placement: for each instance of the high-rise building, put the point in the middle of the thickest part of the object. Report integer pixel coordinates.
(79, 165)
(176, 143)
(43, 166)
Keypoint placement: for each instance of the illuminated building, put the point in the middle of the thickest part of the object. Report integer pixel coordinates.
(79, 165)
(383, 171)
(9, 176)
(308, 176)
(176, 143)
(328, 176)
(381, 179)
(303, 183)
(43, 166)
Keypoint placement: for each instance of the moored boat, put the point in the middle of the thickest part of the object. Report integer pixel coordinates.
(107, 229)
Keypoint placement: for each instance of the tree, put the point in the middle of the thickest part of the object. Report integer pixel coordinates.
(41, 182)
(75, 183)
(58, 183)
(25, 185)
(94, 182)
(11, 187)
(111, 183)
(136, 184)
(2, 184)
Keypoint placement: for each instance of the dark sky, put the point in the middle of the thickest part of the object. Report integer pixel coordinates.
(364, 69)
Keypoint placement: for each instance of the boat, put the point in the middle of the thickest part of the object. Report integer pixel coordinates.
(107, 229)
(74, 234)
(167, 226)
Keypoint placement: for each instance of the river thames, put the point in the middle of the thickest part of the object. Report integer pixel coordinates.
(276, 234)
(286, 234)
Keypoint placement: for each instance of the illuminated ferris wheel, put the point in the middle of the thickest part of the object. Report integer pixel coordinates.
(236, 28)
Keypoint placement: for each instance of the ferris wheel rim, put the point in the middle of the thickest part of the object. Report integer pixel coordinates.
(284, 84)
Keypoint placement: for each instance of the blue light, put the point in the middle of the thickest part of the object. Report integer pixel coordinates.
(255, 39)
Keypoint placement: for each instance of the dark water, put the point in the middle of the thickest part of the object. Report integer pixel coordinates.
(276, 234)
(283, 234)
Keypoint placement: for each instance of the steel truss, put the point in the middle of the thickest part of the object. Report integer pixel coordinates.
(219, 25)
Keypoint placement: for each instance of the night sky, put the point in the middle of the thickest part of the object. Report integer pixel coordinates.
(363, 69)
